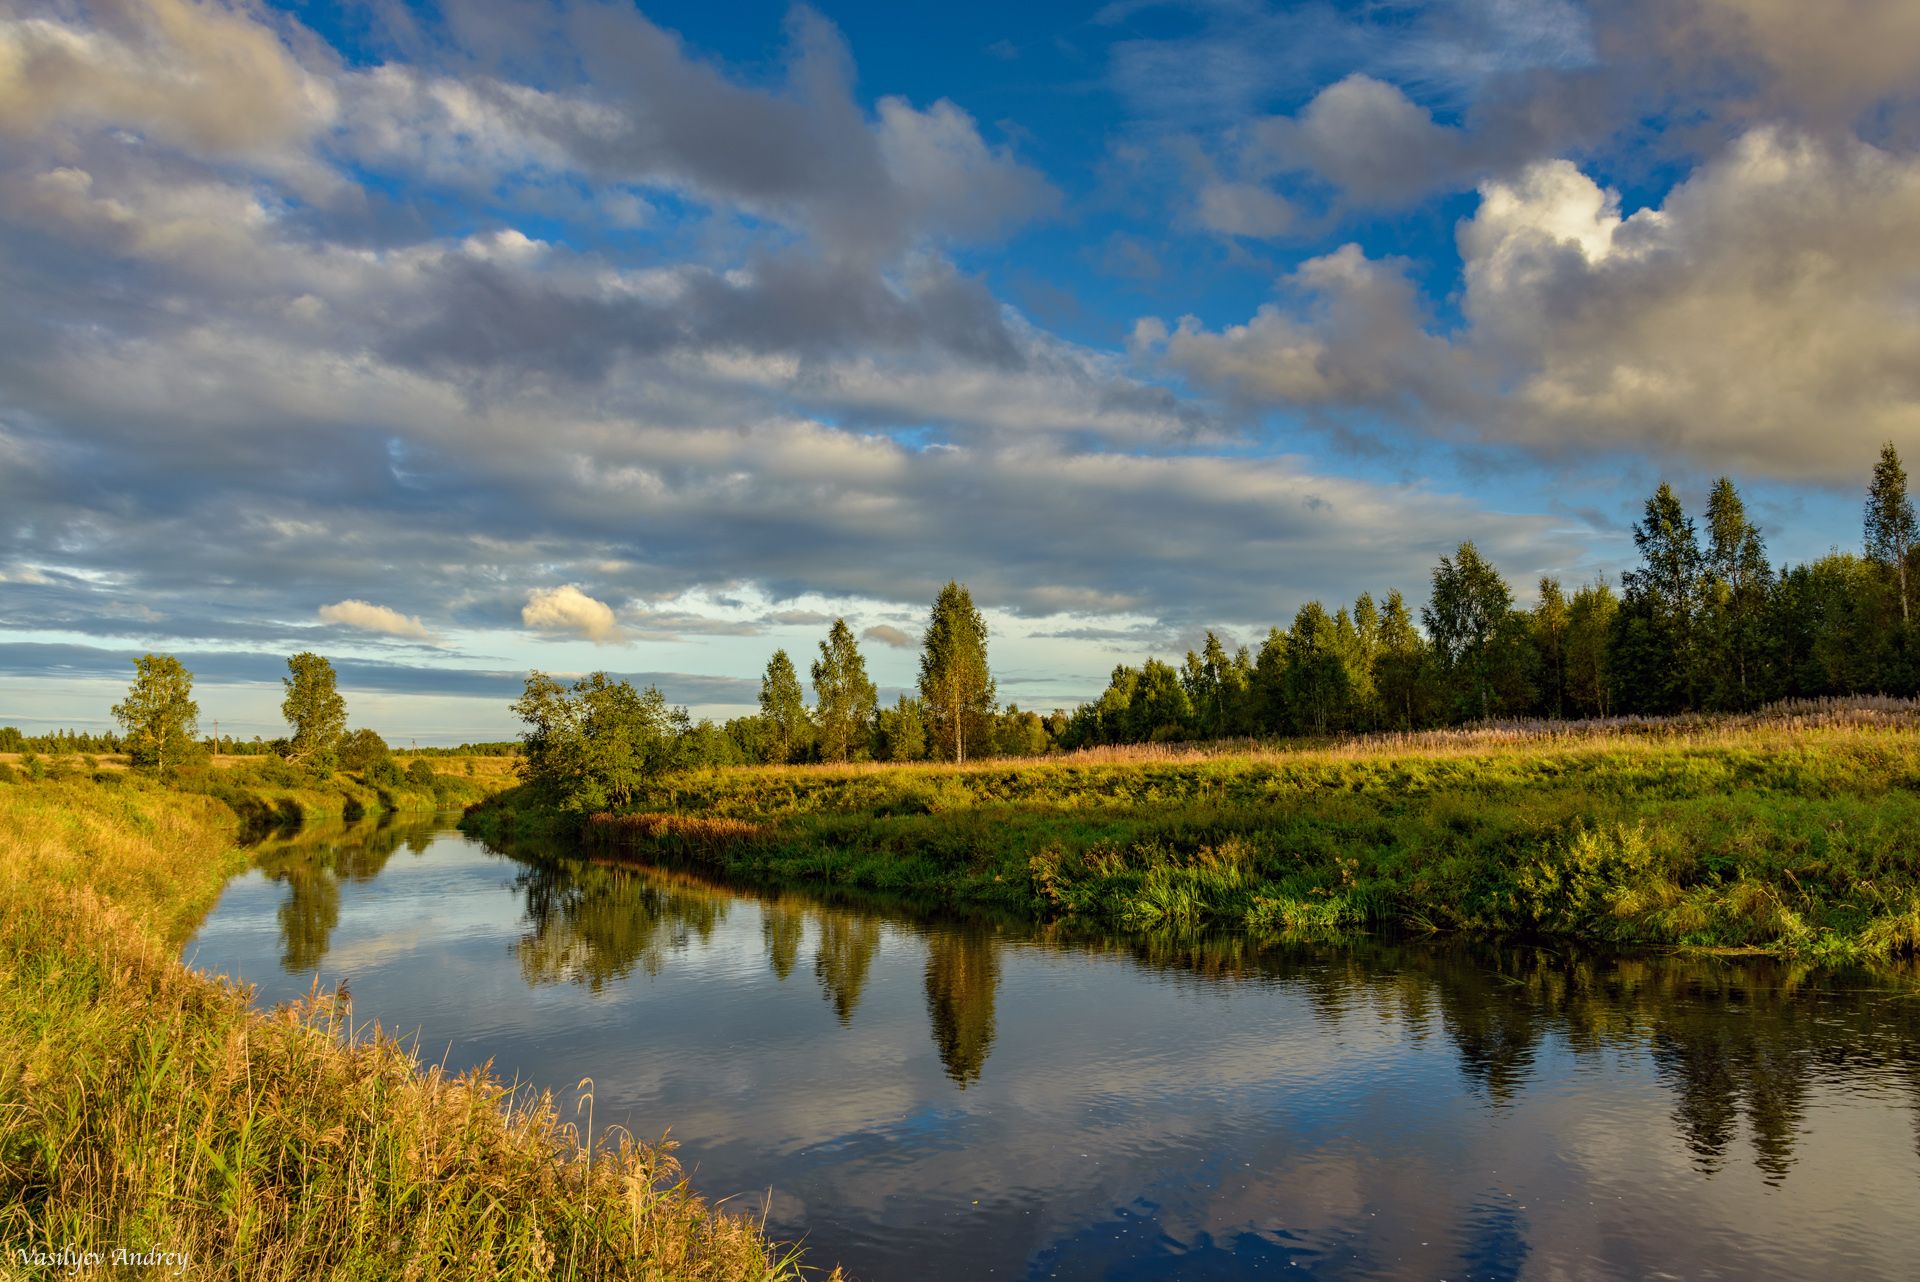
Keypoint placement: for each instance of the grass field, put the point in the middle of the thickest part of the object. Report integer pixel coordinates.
(144, 1106)
(1797, 832)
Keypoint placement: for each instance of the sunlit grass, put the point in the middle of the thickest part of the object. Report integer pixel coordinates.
(143, 1105)
(1794, 831)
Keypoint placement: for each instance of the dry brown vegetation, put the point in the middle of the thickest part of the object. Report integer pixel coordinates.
(146, 1106)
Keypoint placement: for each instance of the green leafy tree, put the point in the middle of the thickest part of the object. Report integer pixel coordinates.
(1891, 534)
(843, 697)
(1464, 617)
(955, 683)
(361, 748)
(1656, 650)
(1736, 586)
(591, 747)
(1550, 642)
(902, 731)
(1359, 648)
(1590, 617)
(314, 710)
(159, 714)
(1316, 680)
(1399, 665)
(1216, 686)
(783, 710)
(1269, 695)
(1355, 636)
(1159, 710)
(1018, 733)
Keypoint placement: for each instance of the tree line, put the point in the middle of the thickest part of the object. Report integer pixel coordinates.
(1704, 622)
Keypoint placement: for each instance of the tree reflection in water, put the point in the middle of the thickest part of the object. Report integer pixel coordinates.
(594, 923)
(963, 972)
(312, 865)
(1738, 1041)
(848, 942)
(783, 922)
(1739, 1044)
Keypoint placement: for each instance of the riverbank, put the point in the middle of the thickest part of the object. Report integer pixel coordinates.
(1797, 836)
(146, 1107)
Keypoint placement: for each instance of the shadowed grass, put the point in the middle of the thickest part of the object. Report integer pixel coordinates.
(145, 1106)
(1797, 832)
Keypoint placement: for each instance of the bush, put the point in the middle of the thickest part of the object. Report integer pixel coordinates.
(362, 749)
(419, 772)
(275, 772)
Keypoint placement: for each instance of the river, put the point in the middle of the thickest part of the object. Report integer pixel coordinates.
(923, 1100)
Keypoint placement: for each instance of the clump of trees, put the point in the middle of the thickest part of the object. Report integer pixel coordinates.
(1703, 622)
(589, 746)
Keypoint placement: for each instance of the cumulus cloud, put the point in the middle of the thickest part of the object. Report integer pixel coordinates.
(567, 609)
(368, 617)
(887, 634)
(1353, 338)
(1821, 62)
(1761, 317)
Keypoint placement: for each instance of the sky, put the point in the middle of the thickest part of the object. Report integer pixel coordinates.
(453, 342)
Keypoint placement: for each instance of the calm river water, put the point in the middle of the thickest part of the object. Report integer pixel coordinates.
(954, 1100)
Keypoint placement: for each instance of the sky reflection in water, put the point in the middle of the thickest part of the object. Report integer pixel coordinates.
(970, 1100)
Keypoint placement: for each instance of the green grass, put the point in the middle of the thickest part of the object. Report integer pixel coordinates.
(143, 1105)
(1785, 838)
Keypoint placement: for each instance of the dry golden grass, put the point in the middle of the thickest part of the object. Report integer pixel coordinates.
(1783, 722)
(143, 1105)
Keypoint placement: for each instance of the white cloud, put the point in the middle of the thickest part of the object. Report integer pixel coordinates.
(375, 618)
(567, 609)
(1761, 319)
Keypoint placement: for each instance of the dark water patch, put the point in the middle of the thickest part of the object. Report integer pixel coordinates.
(985, 1098)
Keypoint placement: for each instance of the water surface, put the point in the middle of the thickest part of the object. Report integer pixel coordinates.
(963, 1100)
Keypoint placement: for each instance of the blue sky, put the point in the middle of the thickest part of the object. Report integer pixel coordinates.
(573, 336)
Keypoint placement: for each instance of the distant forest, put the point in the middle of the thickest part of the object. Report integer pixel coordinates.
(1704, 622)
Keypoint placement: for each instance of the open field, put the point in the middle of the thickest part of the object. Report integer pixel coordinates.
(143, 1105)
(266, 791)
(1796, 832)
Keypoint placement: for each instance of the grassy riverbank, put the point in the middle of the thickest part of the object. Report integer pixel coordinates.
(147, 1107)
(1791, 835)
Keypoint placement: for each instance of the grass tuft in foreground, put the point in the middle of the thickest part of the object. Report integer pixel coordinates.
(148, 1107)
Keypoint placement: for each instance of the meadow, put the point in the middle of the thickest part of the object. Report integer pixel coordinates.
(1794, 832)
(148, 1107)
